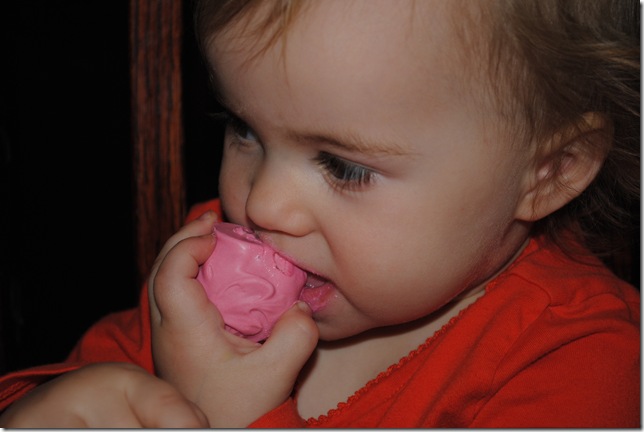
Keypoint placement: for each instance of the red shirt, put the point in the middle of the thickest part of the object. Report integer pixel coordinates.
(552, 343)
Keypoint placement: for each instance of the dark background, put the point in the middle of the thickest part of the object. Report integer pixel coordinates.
(66, 218)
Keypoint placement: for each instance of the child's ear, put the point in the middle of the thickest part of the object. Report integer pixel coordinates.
(565, 167)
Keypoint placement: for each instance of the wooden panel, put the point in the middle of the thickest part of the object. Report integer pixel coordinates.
(157, 129)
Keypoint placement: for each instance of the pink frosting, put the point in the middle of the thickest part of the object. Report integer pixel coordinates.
(249, 282)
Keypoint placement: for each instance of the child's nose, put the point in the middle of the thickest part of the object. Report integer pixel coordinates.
(278, 200)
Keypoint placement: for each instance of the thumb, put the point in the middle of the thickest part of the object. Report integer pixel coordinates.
(292, 341)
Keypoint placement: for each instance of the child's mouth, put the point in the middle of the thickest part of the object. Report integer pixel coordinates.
(314, 281)
(316, 291)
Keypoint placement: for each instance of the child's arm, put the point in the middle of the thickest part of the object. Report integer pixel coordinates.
(104, 395)
(233, 380)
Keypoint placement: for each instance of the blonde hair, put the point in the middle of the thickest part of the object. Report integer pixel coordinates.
(570, 58)
(549, 62)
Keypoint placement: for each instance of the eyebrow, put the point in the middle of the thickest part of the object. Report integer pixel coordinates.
(217, 93)
(352, 143)
(349, 142)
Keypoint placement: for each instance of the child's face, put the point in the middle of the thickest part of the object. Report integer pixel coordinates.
(362, 153)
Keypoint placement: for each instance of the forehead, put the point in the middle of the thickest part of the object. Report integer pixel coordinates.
(357, 59)
(338, 29)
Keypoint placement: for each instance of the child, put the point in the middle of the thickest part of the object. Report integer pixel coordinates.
(436, 168)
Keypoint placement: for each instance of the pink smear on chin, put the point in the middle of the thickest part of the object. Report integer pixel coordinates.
(317, 297)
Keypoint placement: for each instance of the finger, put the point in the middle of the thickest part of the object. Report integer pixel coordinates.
(292, 342)
(36, 411)
(69, 402)
(177, 294)
(160, 405)
(200, 226)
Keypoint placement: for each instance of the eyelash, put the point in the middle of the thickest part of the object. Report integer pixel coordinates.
(342, 174)
(237, 125)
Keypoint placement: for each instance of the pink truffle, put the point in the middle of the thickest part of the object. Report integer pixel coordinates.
(249, 282)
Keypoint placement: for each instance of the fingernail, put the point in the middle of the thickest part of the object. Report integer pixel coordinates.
(303, 307)
(207, 215)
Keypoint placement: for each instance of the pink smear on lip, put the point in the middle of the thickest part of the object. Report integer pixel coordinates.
(316, 294)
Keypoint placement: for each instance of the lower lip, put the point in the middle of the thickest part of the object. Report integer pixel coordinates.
(317, 297)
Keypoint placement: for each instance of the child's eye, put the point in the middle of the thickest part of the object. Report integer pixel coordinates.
(342, 173)
(238, 127)
(241, 130)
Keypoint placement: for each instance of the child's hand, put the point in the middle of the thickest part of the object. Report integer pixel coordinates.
(104, 395)
(233, 380)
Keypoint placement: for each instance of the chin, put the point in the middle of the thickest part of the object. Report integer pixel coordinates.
(330, 332)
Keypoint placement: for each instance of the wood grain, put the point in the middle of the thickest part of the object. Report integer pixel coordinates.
(157, 126)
